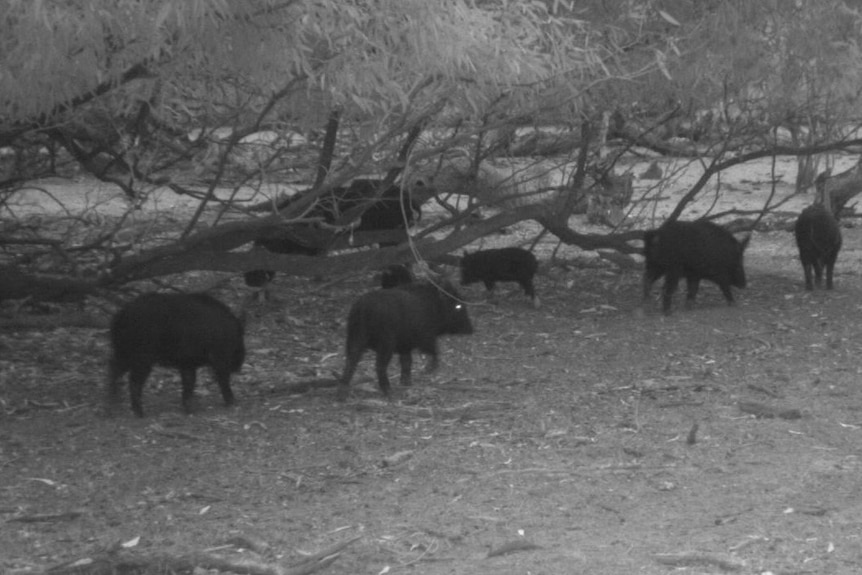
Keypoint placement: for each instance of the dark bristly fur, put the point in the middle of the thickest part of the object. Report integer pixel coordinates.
(818, 237)
(399, 320)
(184, 331)
(698, 250)
(395, 275)
(501, 265)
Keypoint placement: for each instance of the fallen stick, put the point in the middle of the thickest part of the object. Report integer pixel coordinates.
(113, 562)
(693, 559)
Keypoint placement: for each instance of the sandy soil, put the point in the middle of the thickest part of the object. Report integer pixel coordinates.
(583, 437)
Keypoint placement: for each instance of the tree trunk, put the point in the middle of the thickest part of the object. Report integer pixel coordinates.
(837, 190)
(17, 285)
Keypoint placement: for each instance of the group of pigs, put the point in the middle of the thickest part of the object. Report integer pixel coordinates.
(701, 249)
(188, 331)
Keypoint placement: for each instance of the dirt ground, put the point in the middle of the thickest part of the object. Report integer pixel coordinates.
(582, 437)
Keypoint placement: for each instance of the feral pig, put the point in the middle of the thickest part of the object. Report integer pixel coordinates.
(394, 209)
(183, 331)
(278, 245)
(395, 275)
(818, 238)
(697, 250)
(259, 279)
(399, 320)
(501, 265)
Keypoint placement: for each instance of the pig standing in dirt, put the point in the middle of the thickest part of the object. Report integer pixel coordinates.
(399, 320)
(501, 265)
(698, 250)
(818, 238)
(395, 275)
(183, 331)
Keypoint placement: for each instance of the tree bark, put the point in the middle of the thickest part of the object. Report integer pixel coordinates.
(17, 285)
(835, 191)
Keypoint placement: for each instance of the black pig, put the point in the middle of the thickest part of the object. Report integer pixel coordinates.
(399, 320)
(698, 250)
(395, 275)
(184, 331)
(818, 238)
(501, 265)
(394, 209)
(279, 245)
